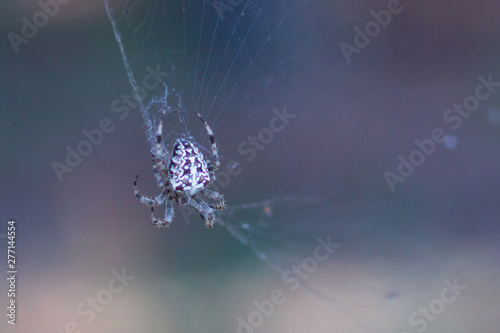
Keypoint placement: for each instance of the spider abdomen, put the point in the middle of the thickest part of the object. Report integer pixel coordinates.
(188, 168)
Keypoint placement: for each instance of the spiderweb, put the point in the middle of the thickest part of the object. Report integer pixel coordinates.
(225, 58)
(213, 57)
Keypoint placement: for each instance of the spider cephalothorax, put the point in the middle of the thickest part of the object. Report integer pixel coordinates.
(181, 175)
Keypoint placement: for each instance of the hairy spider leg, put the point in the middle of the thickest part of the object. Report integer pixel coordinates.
(214, 145)
(169, 212)
(169, 215)
(220, 205)
(205, 211)
(146, 200)
(160, 199)
(159, 156)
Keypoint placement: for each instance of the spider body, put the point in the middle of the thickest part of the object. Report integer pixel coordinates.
(182, 175)
(188, 168)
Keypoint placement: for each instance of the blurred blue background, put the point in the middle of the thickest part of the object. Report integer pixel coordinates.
(353, 121)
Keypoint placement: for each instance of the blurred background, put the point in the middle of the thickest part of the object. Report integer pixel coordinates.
(325, 175)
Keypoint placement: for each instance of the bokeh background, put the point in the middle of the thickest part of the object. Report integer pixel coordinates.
(353, 121)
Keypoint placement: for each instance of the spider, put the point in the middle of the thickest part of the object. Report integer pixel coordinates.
(182, 175)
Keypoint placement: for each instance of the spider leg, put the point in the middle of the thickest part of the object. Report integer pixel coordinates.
(169, 215)
(169, 212)
(220, 205)
(146, 200)
(212, 142)
(205, 211)
(158, 169)
(159, 156)
(160, 199)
